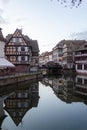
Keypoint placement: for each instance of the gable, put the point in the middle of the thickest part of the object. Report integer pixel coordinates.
(17, 33)
(17, 39)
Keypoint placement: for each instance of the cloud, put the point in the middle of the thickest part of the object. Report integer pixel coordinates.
(5, 1)
(20, 20)
(1, 11)
(80, 35)
(3, 20)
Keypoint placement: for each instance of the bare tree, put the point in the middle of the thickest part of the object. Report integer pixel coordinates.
(70, 2)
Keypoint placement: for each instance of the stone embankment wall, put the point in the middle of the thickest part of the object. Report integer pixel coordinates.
(16, 78)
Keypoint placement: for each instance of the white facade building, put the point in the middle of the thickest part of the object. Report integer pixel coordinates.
(57, 53)
(3, 62)
(81, 61)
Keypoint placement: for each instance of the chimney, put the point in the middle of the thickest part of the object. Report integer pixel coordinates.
(20, 30)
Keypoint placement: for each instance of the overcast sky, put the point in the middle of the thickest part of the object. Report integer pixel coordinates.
(44, 20)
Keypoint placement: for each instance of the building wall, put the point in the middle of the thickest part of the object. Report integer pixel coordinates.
(67, 57)
(81, 61)
(2, 45)
(22, 68)
(55, 55)
(50, 57)
(81, 70)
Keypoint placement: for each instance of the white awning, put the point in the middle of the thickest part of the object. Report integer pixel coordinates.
(4, 63)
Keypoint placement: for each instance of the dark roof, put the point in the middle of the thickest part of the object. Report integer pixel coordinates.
(34, 45)
(8, 37)
(1, 36)
(73, 45)
(84, 48)
(26, 38)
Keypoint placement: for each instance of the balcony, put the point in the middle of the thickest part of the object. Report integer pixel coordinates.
(21, 62)
(80, 58)
(17, 53)
(77, 55)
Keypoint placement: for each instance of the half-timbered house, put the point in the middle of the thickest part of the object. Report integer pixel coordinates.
(18, 50)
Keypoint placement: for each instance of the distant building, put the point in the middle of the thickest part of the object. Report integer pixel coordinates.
(41, 60)
(69, 46)
(50, 55)
(81, 60)
(57, 53)
(21, 51)
(45, 58)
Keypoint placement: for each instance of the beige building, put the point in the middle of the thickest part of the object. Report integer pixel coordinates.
(57, 53)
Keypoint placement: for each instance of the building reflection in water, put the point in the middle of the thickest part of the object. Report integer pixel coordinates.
(2, 113)
(68, 88)
(81, 87)
(19, 102)
(4, 93)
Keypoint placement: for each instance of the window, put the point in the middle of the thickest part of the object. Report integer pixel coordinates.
(22, 95)
(22, 58)
(85, 67)
(17, 39)
(79, 67)
(22, 104)
(80, 80)
(22, 48)
(85, 81)
(85, 46)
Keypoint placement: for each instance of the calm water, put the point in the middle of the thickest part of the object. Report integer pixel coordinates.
(55, 103)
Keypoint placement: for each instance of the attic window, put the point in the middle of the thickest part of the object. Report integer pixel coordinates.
(17, 40)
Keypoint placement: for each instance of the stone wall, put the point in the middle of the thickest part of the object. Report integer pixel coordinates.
(12, 79)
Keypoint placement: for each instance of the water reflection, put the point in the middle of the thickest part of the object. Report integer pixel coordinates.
(16, 101)
(68, 88)
(2, 113)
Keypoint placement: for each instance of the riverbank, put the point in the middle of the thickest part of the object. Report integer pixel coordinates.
(19, 77)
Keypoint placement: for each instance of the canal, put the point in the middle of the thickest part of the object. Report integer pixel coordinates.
(54, 103)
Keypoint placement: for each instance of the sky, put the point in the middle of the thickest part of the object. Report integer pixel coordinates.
(46, 21)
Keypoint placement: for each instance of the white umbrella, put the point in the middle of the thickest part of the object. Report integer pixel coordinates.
(4, 63)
